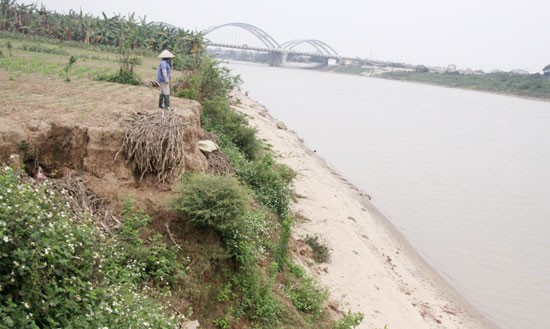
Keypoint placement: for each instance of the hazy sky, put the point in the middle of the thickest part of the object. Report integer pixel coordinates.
(480, 34)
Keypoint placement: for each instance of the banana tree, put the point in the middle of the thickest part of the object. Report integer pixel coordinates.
(7, 17)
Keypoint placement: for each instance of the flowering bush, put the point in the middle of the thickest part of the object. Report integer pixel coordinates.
(51, 267)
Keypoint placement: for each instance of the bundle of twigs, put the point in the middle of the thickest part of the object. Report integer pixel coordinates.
(218, 163)
(154, 144)
(81, 199)
(150, 83)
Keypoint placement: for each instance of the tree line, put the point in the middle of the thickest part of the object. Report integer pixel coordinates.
(118, 31)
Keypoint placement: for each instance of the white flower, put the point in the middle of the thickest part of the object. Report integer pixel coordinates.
(6, 239)
(26, 305)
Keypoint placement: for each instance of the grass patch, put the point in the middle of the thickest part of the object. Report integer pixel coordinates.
(321, 252)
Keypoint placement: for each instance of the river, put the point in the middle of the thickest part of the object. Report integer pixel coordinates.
(464, 175)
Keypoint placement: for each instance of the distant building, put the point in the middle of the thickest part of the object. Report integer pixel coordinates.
(466, 71)
(520, 72)
(438, 69)
(332, 62)
(470, 71)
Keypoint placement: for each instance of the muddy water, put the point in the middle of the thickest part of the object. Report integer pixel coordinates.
(465, 175)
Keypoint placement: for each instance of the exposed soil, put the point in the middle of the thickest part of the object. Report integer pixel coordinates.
(78, 127)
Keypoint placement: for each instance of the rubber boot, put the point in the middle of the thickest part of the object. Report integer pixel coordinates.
(161, 99)
(167, 102)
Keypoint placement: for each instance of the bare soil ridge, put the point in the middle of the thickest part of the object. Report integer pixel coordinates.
(79, 127)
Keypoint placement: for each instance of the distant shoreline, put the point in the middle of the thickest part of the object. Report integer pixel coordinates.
(468, 89)
(409, 77)
(414, 78)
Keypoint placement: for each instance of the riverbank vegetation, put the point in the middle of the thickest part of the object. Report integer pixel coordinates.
(224, 259)
(526, 85)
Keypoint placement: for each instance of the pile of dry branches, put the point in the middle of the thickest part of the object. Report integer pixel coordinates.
(154, 144)
(218, 162)
(150, 83)
(82, 199)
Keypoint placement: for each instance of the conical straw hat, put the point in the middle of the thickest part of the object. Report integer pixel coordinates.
(166, 54)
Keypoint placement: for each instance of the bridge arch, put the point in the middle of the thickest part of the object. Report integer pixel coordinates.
(265, 38)
(320, 46)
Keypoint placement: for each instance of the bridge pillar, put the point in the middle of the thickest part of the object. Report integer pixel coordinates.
(278, 58)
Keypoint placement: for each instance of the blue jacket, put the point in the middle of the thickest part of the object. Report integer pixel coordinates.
(164, 65)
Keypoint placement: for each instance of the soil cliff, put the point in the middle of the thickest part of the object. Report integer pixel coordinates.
(79, 128)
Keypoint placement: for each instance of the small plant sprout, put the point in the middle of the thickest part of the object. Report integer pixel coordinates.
(10, 47)
(67, 68)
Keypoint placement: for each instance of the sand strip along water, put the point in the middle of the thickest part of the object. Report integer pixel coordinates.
(372, 268)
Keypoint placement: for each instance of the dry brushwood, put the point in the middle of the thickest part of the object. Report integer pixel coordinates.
(154, 144)
(208, 135)
(150, 83)
(218, 163)
(82, 199)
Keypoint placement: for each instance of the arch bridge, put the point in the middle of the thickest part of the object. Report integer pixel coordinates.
(279, 52)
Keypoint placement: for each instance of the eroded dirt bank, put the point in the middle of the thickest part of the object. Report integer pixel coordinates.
(79, 127)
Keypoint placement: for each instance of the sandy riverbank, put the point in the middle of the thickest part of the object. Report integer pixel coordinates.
(373, 269)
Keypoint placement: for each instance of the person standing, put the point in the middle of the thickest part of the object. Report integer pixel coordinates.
(164, 75)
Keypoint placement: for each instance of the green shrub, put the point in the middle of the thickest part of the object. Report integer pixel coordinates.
(281, 253)
(247, 237)
(231, 126)
(221, 203)
(270, 182)
(350, 321)
(209, 82)
(307, 297)
(67, 68)
(210, 85)
(321, 253)
(257, 298)
(153, 261)
(212, 201)
(52, 271)
(123, 77)
(192, 91)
